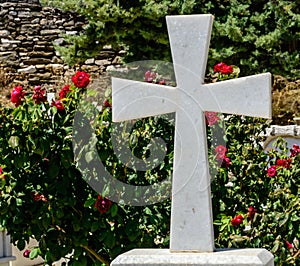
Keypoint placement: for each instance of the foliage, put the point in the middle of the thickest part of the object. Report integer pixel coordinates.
(43, 194)
(258, 35)
(267, 205)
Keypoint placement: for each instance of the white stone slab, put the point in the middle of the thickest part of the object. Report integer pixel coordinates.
(5, 249)
(291, 134)
(292, 130)
(163, 257)
(6, 261)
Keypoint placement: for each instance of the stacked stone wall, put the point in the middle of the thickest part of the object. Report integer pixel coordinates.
(28, 33)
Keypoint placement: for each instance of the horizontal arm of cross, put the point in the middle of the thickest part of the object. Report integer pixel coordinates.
(135, 99)
(250, 96)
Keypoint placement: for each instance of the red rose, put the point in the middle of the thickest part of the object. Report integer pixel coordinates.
(211, 118)
(1, 173)
(220, 152)
(81, 79)
(237, 220)
(286, 163)
(39, 197)
(226, 162)
(39, 95)
(295, 150)
(102, 204)
(17, 95)
(26, 253)
(223, 68)
(289, 245)
(251, 213)
(227, 70)
(272, 171)
(64, 91)
(58, 104)
(162, 82)
(218, 67)
(149, 76)
(106, 103)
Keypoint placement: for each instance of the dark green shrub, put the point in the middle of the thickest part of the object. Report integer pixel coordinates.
(260, 35)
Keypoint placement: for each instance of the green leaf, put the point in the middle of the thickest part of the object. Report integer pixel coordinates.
(114, 210)
(295, 217)
(21, 244)
(110, 240)
(14, 141)
(89, 202)
(275, 247)
(148, 211)
(82, 261)
(77, 252)
(34, 253)
(53, 170)
(95, 226)
(76, 226)
(20, 160)
(284, 220)
(19, 202)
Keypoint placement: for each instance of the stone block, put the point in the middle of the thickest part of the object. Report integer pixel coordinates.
(69, 23)
(73, 32)
(58, 41)
(56, 60)
(12, 13)
(37, 61)
(89, 61)
(39, 67)
(3, 13)
(8, 57)
(163, 257)
(40, 54)
(9, 41)
(43, 21)
(103, 62)
(24, 14)
(117, 60)
(50, 32)
(9, 54)
(29, 69)
(35, 21)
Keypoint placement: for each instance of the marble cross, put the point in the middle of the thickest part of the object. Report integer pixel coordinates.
(191, 212)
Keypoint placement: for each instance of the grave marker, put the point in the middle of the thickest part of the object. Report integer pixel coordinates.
(191, 213)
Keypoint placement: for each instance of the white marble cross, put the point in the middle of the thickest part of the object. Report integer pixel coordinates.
(191, 213)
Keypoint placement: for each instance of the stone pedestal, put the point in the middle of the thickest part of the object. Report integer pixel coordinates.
(163, 257)
(5, 249)
(5, 261)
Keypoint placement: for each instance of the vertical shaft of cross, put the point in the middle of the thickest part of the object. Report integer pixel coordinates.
(191, 220)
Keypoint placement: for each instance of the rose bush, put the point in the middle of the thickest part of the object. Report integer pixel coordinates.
(44, 195)
(266, 193)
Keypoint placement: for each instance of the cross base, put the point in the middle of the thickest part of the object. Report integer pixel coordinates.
(163, 257)
(6, 261)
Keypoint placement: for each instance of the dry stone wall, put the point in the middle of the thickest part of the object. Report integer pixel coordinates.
(28, 33)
